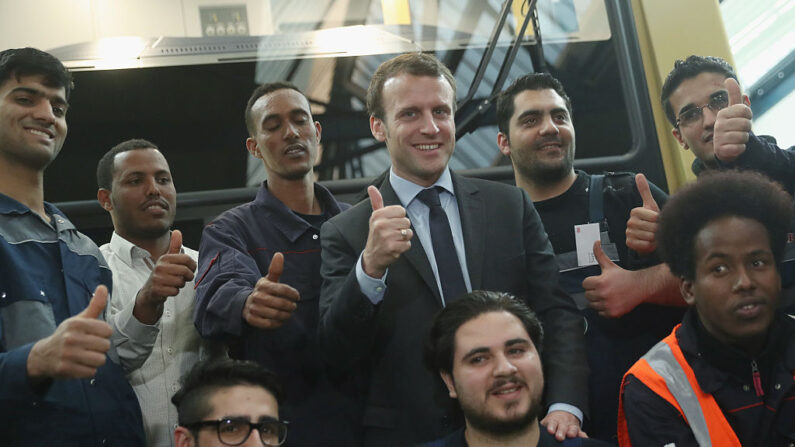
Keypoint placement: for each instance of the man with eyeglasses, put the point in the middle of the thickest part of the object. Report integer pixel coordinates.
(222, 402)
(712, 117)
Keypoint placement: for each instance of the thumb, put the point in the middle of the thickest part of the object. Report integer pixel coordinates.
(97, 304)
(645, 193)
(375, 197)
(602, 258)
(176, 242)
(276, 268)
(735, 96)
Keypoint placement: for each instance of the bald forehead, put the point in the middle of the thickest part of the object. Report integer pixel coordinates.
(278, 101)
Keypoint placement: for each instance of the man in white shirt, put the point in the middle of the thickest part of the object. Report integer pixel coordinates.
(150, 264)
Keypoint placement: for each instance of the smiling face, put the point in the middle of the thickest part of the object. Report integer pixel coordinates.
(696, 92)
(497, 376)
(32, 121)
(737, 285)
(286, 138)
(540, 140)
(418, 126)
(142, 201)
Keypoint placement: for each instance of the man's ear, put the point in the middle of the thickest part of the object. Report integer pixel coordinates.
(103, 197)
(251, 145)
(377, 128)
(678, 136)
(504, 144)
(448, 381)
(686, 287)
(183, 437)
(318, 130)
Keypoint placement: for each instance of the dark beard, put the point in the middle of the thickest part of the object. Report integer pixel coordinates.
(543, 174)
(500, 428)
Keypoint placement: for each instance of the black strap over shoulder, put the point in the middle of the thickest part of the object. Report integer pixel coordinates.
(596, 211)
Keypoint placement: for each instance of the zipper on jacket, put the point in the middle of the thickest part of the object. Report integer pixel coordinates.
(757, 379)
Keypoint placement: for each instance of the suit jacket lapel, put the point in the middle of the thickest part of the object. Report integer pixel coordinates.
(416, 253)
(473, 224)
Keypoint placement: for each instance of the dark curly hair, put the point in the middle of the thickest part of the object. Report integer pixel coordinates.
(718, 194)
(532, 81)
(440, 344)
(690, 68)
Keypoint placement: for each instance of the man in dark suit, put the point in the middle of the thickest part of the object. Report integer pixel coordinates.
(382, 286)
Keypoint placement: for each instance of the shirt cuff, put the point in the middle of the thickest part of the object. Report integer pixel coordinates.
(568, 409)
(372, 288)
(131, 341)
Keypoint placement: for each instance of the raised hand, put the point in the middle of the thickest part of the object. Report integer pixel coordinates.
(562, 425)
(169, 275)
(732, 125)
(271, 303)
(642, 223)
(77, 347)
(612, 293)
(389, 236)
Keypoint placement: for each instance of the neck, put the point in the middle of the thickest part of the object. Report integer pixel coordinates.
(543, 191)
(156, 247)
(23, 185)
(298, 195)
(527, 437)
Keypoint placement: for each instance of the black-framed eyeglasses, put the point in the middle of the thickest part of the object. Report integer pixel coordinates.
(272, 432)
(717, 102)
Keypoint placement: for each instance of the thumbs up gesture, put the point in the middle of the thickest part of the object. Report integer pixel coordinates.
(271, 303)
(77, 347)
(642, 223)
(732, 125)
(389, 236)
(169, 275)
(612, 293)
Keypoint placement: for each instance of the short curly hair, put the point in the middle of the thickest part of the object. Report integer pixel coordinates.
(690, 68)
(440, 344)
(718, 194)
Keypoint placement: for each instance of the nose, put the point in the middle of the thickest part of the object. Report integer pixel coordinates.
(709, 117)
(429, 126)
(548, 127)
(743, 280)
(152, 187)
(43, 112)
(290, 131)
(504, 366)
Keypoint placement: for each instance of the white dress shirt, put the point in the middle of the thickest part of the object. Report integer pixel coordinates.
(177, 347)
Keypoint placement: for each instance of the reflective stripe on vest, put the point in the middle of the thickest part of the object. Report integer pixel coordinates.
(665, 371)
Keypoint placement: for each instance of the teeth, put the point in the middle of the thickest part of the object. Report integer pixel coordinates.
(426, 147)
(508, 391)
(38, 132)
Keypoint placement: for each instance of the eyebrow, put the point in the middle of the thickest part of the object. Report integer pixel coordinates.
(297, 111)
(536, 112)
(56, 99)
(483, 349)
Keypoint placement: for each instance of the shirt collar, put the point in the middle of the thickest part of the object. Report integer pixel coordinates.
(284, 219)
(126, 250)
(9, 205)
(407, 190)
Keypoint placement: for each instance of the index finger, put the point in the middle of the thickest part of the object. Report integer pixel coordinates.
(375, 197)
(735, 96)
(645, 193)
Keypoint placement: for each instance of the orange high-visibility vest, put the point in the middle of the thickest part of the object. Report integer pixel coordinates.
(666, 372)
